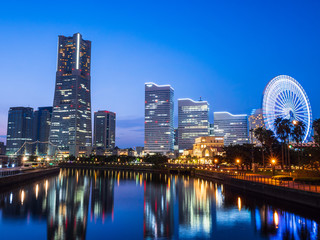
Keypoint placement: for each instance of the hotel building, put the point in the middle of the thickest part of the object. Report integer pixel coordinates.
(234, 128)
(159, 132)
(193, 121)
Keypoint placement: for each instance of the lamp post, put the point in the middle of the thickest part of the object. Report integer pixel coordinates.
(215, 162)
(273, 163)
(238, 163)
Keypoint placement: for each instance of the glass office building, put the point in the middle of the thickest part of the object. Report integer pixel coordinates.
(20, 131)
(159, 131)
(42, 124)
(71, 118)
(234, 128)
(104, 130)
(193, 121)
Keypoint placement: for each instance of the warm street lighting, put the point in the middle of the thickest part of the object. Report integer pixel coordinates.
(273, 162)
(238, 161)
(216, 161)
(294, 122)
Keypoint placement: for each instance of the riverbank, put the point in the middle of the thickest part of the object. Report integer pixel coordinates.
(277, 190)
(23, 177)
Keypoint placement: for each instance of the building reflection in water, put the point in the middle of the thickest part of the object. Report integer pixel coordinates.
(174, 207)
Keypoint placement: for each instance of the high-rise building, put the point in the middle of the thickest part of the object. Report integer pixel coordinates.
(42, 123)
(234, 128)
(255, 121)
(71, 117)
(2, 148)
(104, 130)
(193, 121)
(20, 130)
(158, 134)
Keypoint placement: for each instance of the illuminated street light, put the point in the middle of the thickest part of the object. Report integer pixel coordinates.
(273, 162)
(294, 122)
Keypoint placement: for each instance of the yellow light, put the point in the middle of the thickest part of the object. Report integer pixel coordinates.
(239, 204)
(273, 161)
(22, 197)
(238, 161)
(276, 219)
(294, 122)
(37, 191)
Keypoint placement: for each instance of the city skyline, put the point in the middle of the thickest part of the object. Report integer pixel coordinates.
(121, 54)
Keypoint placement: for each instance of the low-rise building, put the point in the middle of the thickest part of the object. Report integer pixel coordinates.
(208, 146)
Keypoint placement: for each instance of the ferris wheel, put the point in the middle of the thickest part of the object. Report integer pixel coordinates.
(284, 97)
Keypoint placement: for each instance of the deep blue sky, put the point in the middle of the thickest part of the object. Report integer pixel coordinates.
(224, 51)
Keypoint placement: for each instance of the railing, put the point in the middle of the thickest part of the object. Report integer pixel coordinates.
(266, 180)
(5, 173)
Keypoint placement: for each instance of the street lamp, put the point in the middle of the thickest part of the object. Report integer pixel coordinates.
(238, 163)
(216, 162)
(273, 162)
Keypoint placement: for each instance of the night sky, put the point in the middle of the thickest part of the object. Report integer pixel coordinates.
(224, 51)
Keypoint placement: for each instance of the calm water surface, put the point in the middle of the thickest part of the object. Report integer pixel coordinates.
(89, 204)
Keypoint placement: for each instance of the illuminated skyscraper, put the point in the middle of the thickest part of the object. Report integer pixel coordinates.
(234, 128)
(158, 134)
(193, 121)
(71, 117)
(42, 123)
(255, 121)
(104, 130)
(20, 130)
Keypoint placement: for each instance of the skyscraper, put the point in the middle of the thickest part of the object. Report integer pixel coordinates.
(255, 121)
(158, 134)
(42, 123)
(20, 130)
(193, 121)
(104, 130)
(234, 128)
(71, 117)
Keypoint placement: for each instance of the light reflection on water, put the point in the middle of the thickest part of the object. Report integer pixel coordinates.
(92, 204)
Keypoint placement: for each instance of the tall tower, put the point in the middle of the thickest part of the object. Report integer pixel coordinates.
(193, 121)
(104, 130)
(158, 134)
(71, 118)
(20, 130)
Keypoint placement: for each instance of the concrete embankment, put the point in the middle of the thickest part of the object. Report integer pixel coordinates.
(306, 198)
(27, 176)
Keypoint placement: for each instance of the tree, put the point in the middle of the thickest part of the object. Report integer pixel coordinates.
(283, 131)
(267, 139)
(297, 134)
(156, 159)
(316, 127)
(259, 134)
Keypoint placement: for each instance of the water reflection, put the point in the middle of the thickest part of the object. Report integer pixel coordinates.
(78, 201)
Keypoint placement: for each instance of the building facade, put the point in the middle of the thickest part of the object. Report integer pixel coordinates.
(71, 131)
(234, 128)
(159, 131)
(255, 121)
(41, 127)
(193, 121)
(208, 147)
(20, 131)
(104, 130)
